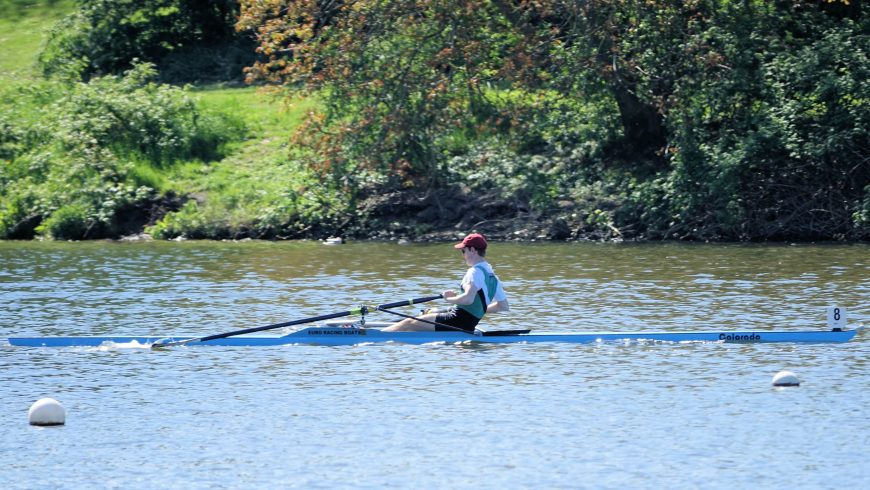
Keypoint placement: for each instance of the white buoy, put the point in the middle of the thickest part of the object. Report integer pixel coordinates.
(333, 241)
(785, 378)
(47, 411)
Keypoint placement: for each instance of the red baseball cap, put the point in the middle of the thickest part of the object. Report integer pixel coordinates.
(475, 240)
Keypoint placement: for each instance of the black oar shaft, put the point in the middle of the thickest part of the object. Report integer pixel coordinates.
(320, 318)
(355, 311)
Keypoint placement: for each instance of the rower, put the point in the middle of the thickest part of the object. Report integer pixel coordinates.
(481, 293)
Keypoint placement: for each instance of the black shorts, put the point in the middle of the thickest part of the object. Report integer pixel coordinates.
(456, 317)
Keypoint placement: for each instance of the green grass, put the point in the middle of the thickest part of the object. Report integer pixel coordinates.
(256, 172)
(24, 27)
(255, 107)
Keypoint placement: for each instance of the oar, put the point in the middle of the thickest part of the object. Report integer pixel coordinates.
(356, 311)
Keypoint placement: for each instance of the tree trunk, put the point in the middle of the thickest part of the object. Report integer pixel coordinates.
(643, 127)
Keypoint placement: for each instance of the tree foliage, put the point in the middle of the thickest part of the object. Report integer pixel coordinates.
(187, 40)
(716, 119)
(400, 81)
(692, 119)
(772, 138)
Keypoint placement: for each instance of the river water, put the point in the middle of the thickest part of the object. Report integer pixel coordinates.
(608, 415)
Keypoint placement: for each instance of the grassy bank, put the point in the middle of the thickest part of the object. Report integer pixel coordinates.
(232, 196)
(251, 182)
(24, 27)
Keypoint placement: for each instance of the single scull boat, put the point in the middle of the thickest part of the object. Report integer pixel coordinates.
(354, 334)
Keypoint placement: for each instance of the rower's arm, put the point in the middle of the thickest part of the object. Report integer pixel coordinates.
(497, 306)
(466, 298)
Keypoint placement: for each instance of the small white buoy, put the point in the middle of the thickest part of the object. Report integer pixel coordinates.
(333, 241)
(785, 378)
(47, 411)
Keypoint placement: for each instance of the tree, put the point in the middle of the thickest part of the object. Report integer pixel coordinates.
(398, 79)
(726, 132)
(440, 56)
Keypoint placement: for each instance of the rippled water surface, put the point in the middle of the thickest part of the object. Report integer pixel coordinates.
(610, 415)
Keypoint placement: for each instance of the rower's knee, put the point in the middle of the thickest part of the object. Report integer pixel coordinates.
(397, 327)
(411, 325)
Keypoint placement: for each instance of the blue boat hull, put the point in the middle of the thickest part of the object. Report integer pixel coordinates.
(354, 336)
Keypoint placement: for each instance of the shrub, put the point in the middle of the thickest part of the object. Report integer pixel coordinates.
(71, 222)
(186, 222)
(84, 156)
(188, 40)
(135, 116)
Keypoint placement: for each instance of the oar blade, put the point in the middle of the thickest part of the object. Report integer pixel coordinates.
(166, 343)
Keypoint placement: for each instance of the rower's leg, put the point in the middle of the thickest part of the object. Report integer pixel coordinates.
(412, 325)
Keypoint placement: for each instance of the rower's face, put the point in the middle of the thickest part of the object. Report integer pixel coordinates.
(468, 253)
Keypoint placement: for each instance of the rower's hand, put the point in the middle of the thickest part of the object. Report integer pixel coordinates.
(448, 294)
